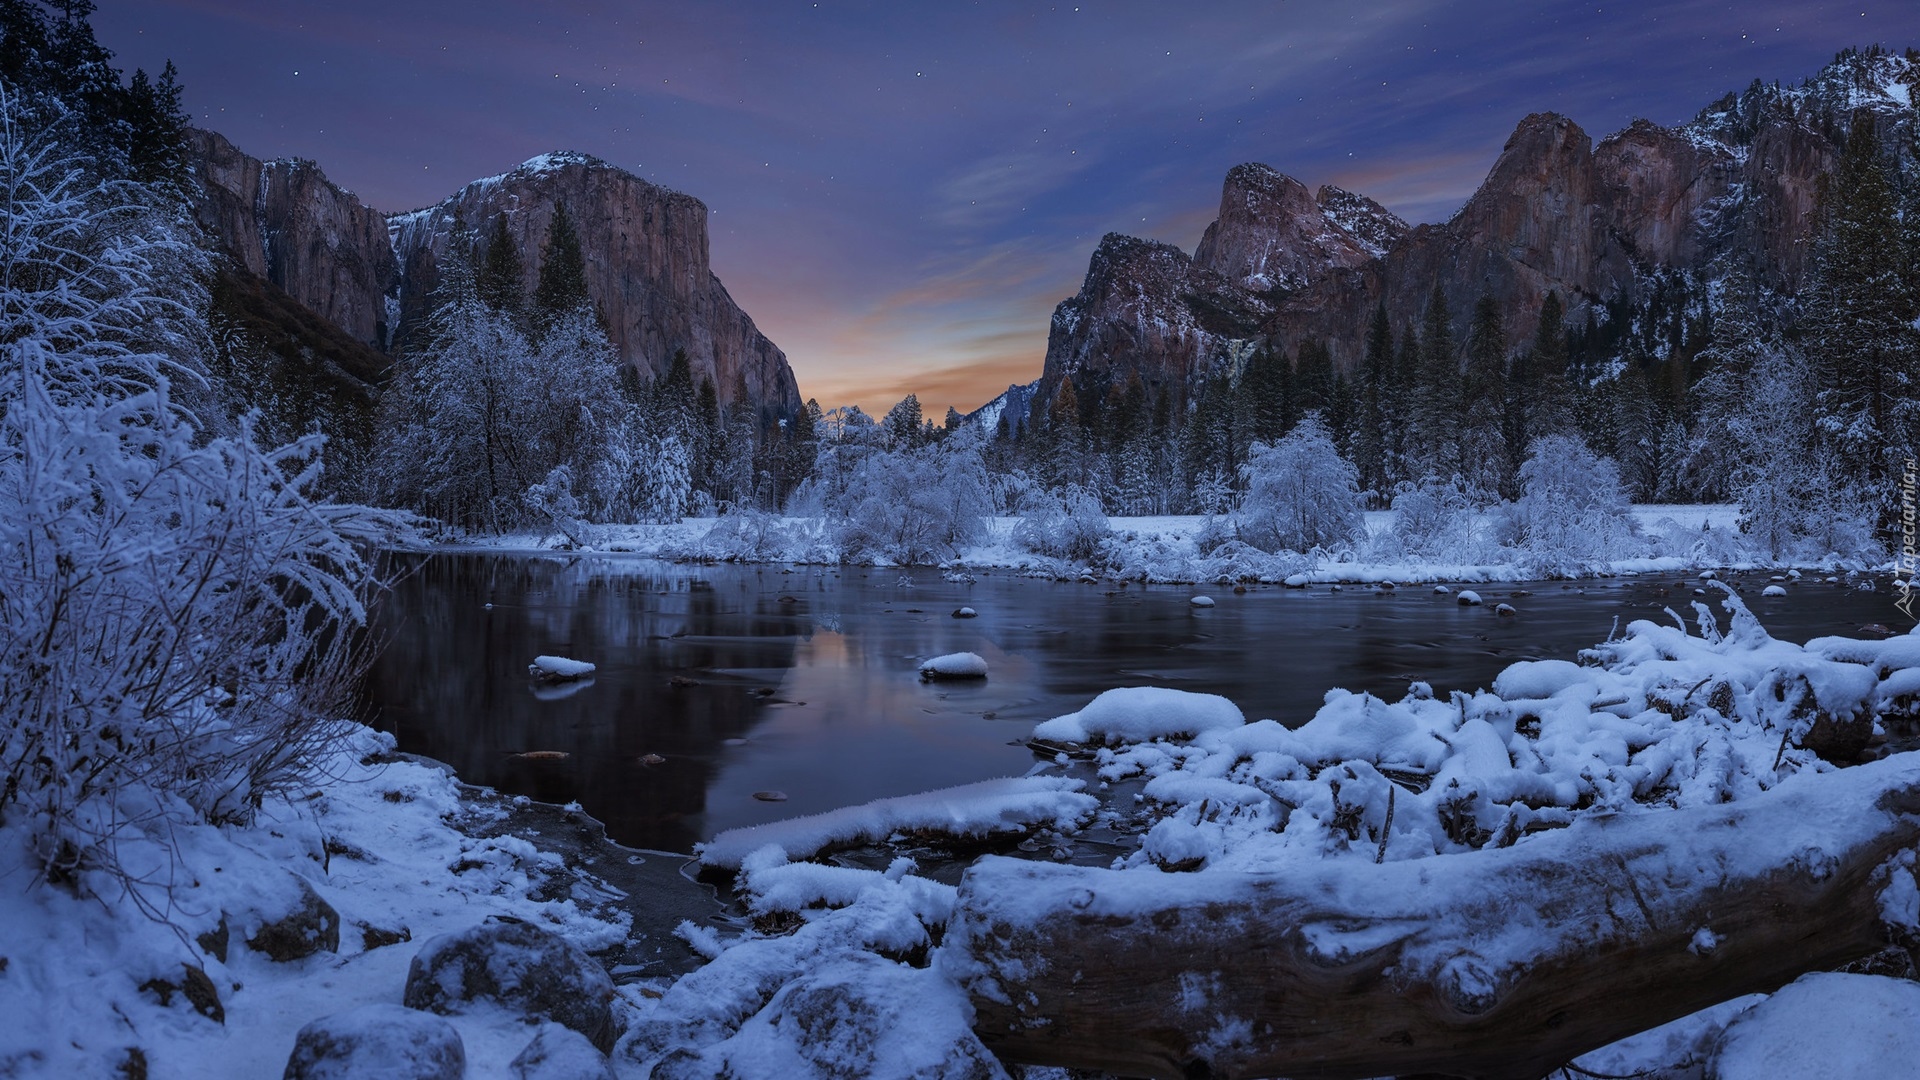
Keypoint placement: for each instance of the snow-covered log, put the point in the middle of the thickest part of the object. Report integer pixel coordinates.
(1490, 964)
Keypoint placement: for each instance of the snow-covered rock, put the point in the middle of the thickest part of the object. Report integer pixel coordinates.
(960, 665)
(519, 966)
(307, 926)
(558, 668)
(1824, 1025)
(1468, 598)
(1505, 610)
(1773, 590)
(969, 810)
(560, 1053)
(964, 613)
(1441, 590)
(1201, 601)
(1143, 713)
(384, 1041)
(857, 1015)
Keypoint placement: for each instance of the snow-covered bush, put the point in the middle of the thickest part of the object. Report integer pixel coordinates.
(176, 613)
(553, 501)
(913, 506)
(1571, 513)
(1436, 519)
(1067, 525)
(1301, 494)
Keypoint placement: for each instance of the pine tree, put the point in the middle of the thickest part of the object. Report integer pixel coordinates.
(1371, 440)
(1265, 396)
(499, 271)
(1399, 405)
(1480, 446)
(1861, 312)
(901, 424)
(563, 271)
(1313, 378)
(1436, 394)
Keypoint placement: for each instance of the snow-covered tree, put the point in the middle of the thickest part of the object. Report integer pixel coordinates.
(1301, 494)
(1437, 519)
(1572, 512)
(1068, 524)
(175, 610)
(914, 506)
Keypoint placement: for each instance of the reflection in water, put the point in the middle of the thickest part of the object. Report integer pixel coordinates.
(716, 682)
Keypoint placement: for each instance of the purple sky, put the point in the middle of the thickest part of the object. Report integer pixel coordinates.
(902, 191)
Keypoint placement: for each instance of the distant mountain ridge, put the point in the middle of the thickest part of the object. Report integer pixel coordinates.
(371, 275)
(1736, 186)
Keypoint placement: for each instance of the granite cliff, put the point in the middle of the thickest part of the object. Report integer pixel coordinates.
(645, 249)
(298, 244)
(1734, 188)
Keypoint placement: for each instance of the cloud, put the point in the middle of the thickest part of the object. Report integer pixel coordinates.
(994, 189)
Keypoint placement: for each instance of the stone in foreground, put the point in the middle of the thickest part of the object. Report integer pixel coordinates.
(384, 1041)
(519, 966)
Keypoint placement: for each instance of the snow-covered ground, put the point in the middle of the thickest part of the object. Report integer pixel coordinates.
(1183, 549)
(379, 844)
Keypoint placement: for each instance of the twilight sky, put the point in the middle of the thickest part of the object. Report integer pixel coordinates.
(901, 191)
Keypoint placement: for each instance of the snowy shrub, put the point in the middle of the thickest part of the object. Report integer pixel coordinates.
(1571, 513)
(659, 476)
(553, 501)
(1301, 494)
(1069, 525)
(176, 614)
(1436, 519)
(914, 506)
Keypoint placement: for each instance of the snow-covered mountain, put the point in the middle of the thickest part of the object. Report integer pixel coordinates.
(1599, 224)
(1012, 404)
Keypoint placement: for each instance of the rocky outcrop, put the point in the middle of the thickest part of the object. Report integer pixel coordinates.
(1273, 234)
(1556, 213)
(645, 249)
(285, 222)
(1146, 307)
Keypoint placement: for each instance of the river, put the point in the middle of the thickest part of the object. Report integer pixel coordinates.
(719, 685)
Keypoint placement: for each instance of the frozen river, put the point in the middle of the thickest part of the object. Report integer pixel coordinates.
(719, 682)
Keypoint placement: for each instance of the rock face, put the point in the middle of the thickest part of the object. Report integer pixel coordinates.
(1273, 234)
(646, 257)
(285, 222)
(1736, 187)
(1148, 308)
(645, 248)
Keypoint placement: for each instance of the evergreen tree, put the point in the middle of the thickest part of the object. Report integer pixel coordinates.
(1480, 447)
(1436, 394)
(1371, 440)
(1399, 406)
(1265, 396)
(709, 435)
(563, 271)
(952, 422)
(1861, 313)
(1312, 379)
(901, 424)
(499, 271)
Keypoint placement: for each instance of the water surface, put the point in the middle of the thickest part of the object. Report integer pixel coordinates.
(717, 682)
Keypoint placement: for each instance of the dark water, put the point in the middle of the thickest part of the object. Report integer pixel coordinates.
(817, 695)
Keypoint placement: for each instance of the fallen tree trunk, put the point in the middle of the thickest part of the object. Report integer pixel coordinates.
(1499, 965)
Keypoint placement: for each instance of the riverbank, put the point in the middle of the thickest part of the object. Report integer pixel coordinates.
(1191, 549)
(188, 973)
